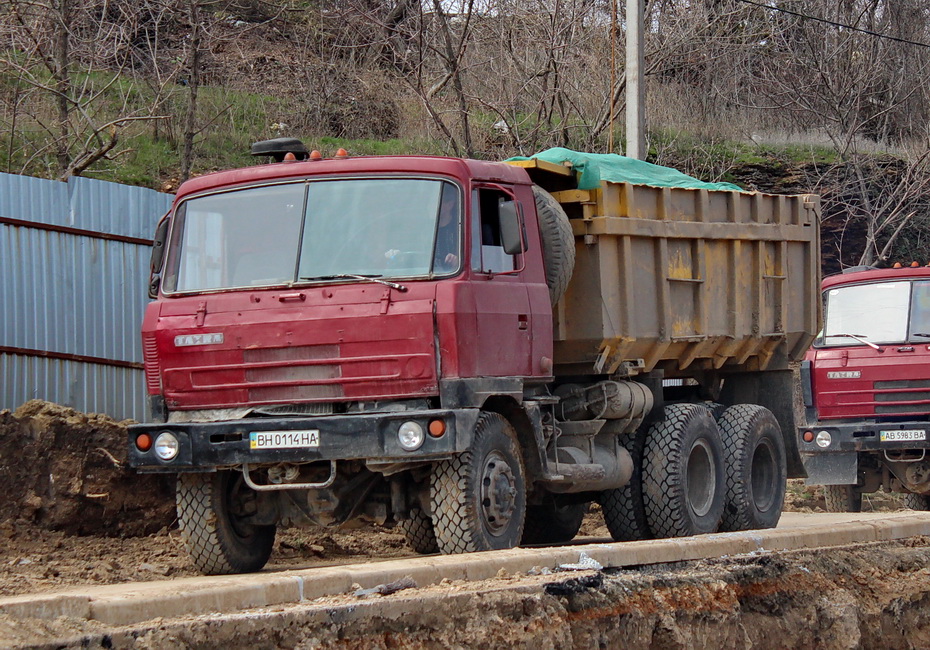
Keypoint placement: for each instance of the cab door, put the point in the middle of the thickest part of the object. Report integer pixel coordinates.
(502, 307)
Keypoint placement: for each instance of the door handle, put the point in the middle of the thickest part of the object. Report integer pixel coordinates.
(297, 296)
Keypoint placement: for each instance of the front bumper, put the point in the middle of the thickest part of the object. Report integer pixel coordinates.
(204, 446)
(837, 464)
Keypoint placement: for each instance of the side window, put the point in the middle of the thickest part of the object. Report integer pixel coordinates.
(488, 254)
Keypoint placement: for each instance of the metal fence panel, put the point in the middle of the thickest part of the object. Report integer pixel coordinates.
(71, 305)
(92, 388)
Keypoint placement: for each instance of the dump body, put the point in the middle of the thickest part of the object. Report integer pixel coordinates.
(685, 280)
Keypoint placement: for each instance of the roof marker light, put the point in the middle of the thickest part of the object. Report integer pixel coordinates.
(316, 155)
(341, 153)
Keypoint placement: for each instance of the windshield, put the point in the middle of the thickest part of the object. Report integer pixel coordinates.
(317, 230)
(883, 312)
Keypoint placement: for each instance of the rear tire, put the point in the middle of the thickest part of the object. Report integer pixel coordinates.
(842, 498)
(419, 532)
(683, 473)
(756, 468)
(917, 501)
(479, 497)
(553, 521)
(623, 508)
(212, 513)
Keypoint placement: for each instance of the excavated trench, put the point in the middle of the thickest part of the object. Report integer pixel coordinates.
(864, 596)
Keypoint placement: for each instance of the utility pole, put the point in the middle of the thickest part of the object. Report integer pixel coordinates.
(635, 89)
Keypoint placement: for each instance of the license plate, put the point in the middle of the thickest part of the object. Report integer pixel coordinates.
(284, 439)
(903, 434)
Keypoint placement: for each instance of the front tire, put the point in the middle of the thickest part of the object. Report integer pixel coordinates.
(553, 521)
(479, 497)
(842, 498)
(683, 473)
(419, 532)
(756, 468)
(917, 501)
(212, 514)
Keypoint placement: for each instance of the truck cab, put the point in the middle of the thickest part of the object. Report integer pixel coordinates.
(866, 386)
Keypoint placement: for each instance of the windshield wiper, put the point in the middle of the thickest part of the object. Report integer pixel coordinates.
(364, 278)
(861, 338)
(926, 336)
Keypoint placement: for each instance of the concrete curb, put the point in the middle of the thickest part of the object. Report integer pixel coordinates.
(133, 603)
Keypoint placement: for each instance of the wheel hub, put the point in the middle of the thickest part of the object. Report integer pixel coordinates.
(498, 493)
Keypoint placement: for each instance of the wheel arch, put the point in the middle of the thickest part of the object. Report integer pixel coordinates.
(528, 431)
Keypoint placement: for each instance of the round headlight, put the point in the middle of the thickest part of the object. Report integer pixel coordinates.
(410, 436)
(166, 446)
(823, 439)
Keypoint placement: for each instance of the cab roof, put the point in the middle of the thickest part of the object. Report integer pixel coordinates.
(463, 169)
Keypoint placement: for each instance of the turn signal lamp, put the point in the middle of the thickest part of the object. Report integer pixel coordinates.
(437, 428)
(316, 155)
(144, 442)
(808, 436)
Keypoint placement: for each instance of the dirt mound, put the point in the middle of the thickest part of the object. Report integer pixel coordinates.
(65, 470)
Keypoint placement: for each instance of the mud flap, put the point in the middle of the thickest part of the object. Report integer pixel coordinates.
(832, 469)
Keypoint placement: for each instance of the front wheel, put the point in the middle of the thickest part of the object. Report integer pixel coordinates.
(213, 511)
(419, 532)
(917, 501)
(842, 498)
(554, 521)
(683, 474)
(479, 497)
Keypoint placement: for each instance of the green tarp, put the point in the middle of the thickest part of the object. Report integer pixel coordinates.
(596, 167)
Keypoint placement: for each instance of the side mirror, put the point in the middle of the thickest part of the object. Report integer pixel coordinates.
(158, 245)
(158, 255)
(511, 227)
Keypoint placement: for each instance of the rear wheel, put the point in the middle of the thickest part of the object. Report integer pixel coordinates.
(917, 501)
(479, 497)
(213, 511)
(553, 521)
(683, 474)
(842, 498)
(419, 532)
(756, 468)
(623, 508)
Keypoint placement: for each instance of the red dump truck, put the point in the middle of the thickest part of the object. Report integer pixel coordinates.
(475, 351)
(866, 388)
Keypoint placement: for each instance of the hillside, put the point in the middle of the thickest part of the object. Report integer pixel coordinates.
(152, 91)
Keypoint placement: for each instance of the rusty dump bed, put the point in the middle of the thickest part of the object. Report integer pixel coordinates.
(684, 279)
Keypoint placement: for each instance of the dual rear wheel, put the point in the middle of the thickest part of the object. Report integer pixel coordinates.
(693, 475)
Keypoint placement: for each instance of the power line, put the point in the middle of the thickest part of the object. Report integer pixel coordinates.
(835, 24)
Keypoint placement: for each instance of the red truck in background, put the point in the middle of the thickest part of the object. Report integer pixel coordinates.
(866, 388)
(473, 350)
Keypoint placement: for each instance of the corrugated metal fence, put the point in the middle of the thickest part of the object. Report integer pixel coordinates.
(73, 270)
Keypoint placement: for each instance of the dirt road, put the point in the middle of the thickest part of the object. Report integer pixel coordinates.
(73, 515)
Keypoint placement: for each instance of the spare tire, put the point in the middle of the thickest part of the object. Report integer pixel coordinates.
(558, 243)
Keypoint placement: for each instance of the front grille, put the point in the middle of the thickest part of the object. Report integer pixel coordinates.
(902, 396)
